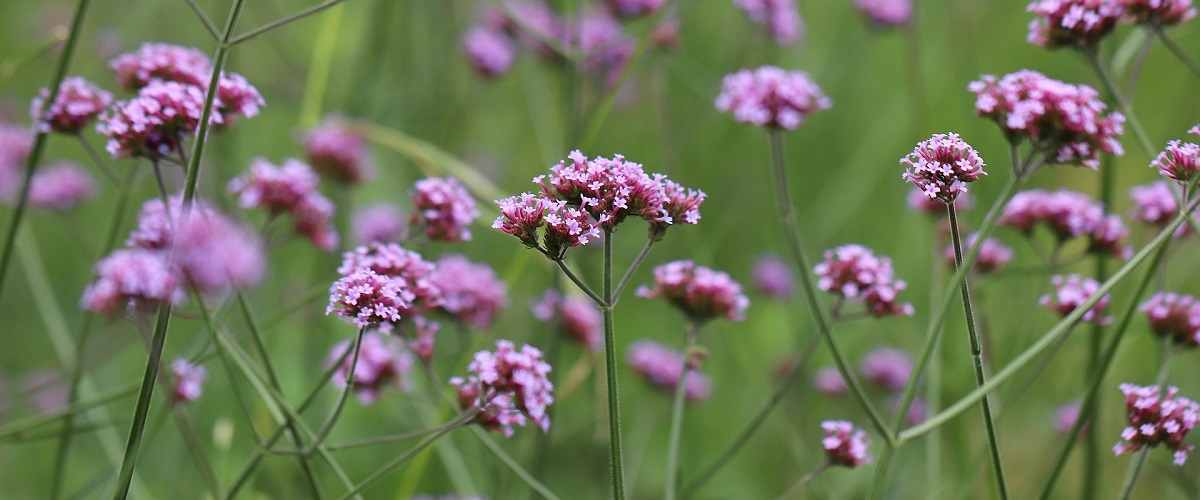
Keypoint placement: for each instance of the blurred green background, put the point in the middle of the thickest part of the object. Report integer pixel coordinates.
(398, 64)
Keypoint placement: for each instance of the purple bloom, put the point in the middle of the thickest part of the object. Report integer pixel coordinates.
(1068, 214)
(1157, 419)
(425, 335)
(1108, 237)
(15, 145)
(490, 51)
(1156, 204)
(369, 299)
(1072, 22)
(1179, 161)
(608, 189)
(771, 97)
(444, 208)
(701, 293)
(77, 104)
(411, 272)
(133, 279)
(382, 361)
(189, 380)
(378, 223)
(1158, 12)
(632, 8)
(1174, 316)
(992, 256)
(773, 277)
(274, 188)
(662, 366)
(163, 62)
(886, 13)
(1066, 121)
(1066, 416)
(468, 291)
(313, 218)
(682, 205)
(575, 316)
(154, 122)
(339, 153)
(780, 18)
(235, 99)
(508, 386)
(844, 444)
(942, 165)
(828, 380)
(854, 272)
(1072, 291)
(60, 187)
(887, 367)
(565, 227)
(606, 47)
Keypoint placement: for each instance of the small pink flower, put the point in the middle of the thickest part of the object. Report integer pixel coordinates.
(1158, 12)
(382, 362)
(855, 272)
(844, 444)
(491, 52)
(406, 266)
(1066, 416)
(1174, 316)
(1156, 204)
(162, 61)
(312, 217)
(887, 367)
(1179, 161)
(424, 338)
(828, 380)
(771, 97)
(134, 279)
(1072, 291)
(275, 188)
(1068, 214)
(235, 99)
(605, 46)
(1081, 23)
(336, 152)
(60, 187)
(682, 205)
(369, 299)
(378, 223)
(1108, 237)
(632, 8)
(780, 18)
(886, 13)
(508, 385)
(774, 277)
(565, 227)
(154, 122)
(607, 189)
(942, 165)
(444, 208)
(15, 145)
(575, 316)
(993, 256)
(1156, 419)
(189, 381)
(662, 366)
(701, 293)
(77, 104)
(468, 291)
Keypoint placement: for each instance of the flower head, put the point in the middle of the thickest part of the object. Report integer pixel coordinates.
(378, 223)
(886, 13)
(1066, 416)
(828, 380)
(60, 187)
(855, 272)
(336, 152)
(154, 122)
(780, 18)
(274, 188)
(134, 279)
(490, 51)
(1179, 161)
(1174, 316)
(235, 99)
(992, 256)
(444, 208)
(1067, 214)
(662, 366)
(565, 227)
(631, 8)
(682, 205)
(771, 97)
(942, 165)
(1158, 12)
(424, 338)
(15, 145)
(369, 299)
(607, 189)
(605, 46)
(163, 62)
(312, 217)
(1156, 419)
(701, 293)
(844, 444)
(468, 291)
(1155, 204)
(1072, 291)
(507, 385)
(888, 367)
(773, 277)
(411, 272)
(1075, 23)
(189, 380)
(382, 361)
(78, 103)
(575, 316)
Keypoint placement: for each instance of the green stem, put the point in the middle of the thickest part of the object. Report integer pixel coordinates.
(394, 437)
(283, 21)
(792, 236)
(101, 164)
(600, 301)
(204, 19)
(1178, 51)
(398, 462)
(351, 374)
(537, 486)
(637, 262)
(196, 449)
(610, 369)
(76, 407)
(1123, 106)
(799, 485)
(689, 364)
(977, 355)
(1135, 472)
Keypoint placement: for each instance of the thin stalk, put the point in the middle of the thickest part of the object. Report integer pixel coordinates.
(637, 262)
(1143, 140)
(1138, 62)
(100, 163)
(1092, 449)
(792, 236)
(1177, 51)
(394, 437)
(196, 449)
(600, 301)
(39, 141)
(398, 462)
(690, 363)
(512, 465)
(204, 19)
(799, 485)
(976, 355)
(610, 370)
(25, 437)
(1135, 472)
(284, 21)
(327, 427)
(76, 407)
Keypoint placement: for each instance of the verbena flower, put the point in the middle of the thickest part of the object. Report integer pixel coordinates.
(942, 165)
(78, 103)
(489, 51)
(444, 208)
(1074, 23)
(1108, 237)
(565, 227)
(134, 279)
(1066, 416)
(1156, 204)
(1158, 12)
(369, 299)
(774, 277)
(607, 189)
(604, 44)
(469, 292)
(1064, 121)
(424, 337)
(701, 293)
(378, 223)
(406, 267)
(1174, 316)
(888, 367)
(921, 203)
(162, 61)
(508, 385)
(1072, 291)
(918, 410)
(382, 361)
(682, 205)
(313, 218)
(1156, 419)
(828, 380)
(154, 122)
(1179, 161)
(855, 272)
(662, 366)
(844, 444)
(60, 187)
(780, 18)
(771, 97)
(275, 188)
(338, 153)
(235, 99)
(15, 145)
(575, 316)
(992, 256)
(631, 8)
(189, 381)
(886, 13)
(537, 25)
(1067, 214)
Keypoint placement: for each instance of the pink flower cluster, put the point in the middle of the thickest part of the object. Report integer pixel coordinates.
(382, 361)
(1072, 22)
(444, 208)
(1174, 316)
(1156, 204)
(410, 272)
(289, 188)
(780, 18)
(992, 256)
(828, 380)
(682, 206)
(632, 8)
(136, 279)
(662, 366)
(15, 145)
(1158, 12)
(771, 97)
(701, 293)
(773, 277)
(1180, 160)
(508, 386)
(337, 152)
(189, 381)
(369, 299)
(378, 223)
(78, 103)
(491, 52)
(1072, 291)
(855, 272)
(844, 444)
(1067, 214)
(565, 227)
(942, 165)
(424, 337)
(1066, 121)
(60, 187)
(886, 13)
(161, 61)
(1156, 419)
(888, 367)
(468, 291)
(575, 316)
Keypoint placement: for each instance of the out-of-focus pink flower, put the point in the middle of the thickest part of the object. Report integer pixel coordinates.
(382, 362)
(1156, 204)
(1158, 12)
(886, 13)
(844, 444)
(920, 203)
(378, 223)
(1156, 419)
(275, 188)
(336, 152)
(631, 8)
(771, 97)
(1072, 291)
(134, 279)
(77, 104)
(1065, 121)
(701, 293)
(942, 165)
(490, 51)
(369, 299)
(468, 291)
(1174, 316)
(154, 122)
(662, 366)
(605, 46)
(1068, 214)
(60, 187)
(235, 99)
(508, 386)
(189, 381)
(855, 272)
(888, 367)
(1073, 23)
(444, 208)
(1108, 237)
(162, 61)
(993, 256)
(575, 316)
(312, 217)
(780, 18)
(1066, 415)
(15, 145)
(828, 380)
(608, 189)
(774, 277)
(1179, 161)
(424, 338)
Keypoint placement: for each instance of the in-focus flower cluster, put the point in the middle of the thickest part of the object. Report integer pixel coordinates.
(1080, 23)
(469, 292)
(886, 13)
(771, 97)
(662, 366)
(575, 316)
(443, 208)
(1180, 160)
(701, 293)
(942, 165)
(78, 103)
(289, 188)
(1174, 316)
(507, 386)
(338, 153)
(1155, 418)
(779, 18)
(1072, 291)
(189, 381)
(382, 361)
(844, 444)
(855, 272)
(1068, 214)
(406, 268)
(1064, 121)
(992, 256)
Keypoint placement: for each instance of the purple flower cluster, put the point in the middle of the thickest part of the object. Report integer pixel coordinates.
(369, 299)
(1158, 12)
(828, 380)
(773, 277)
(491, 52)
(508, 386)
(631, 8)
(1156, 419)
(136, 279)
(1174, 316)
(444, 208)
(662, 366)
(337, 152)
(189, 381)
(888, 367)
(1072, 291)
(780, 18)
(410, 272)
(161, 61)
(942, 165)
(78, 103)
(992, 256)
(844, 444)
(886, 13)
(1072, 22)
(855, 272)
(289, 188)
(378, 223)
(1066, 416)
(1180, 160)
(575, 316)
(565, 227)
(382, 361)
(771, 97)
(15, 145)
(1156, 204)
(701, 293)
(424, 337)
(1068, 214)
(468, 291)
(60, 187)
(1065, 121)
(682, 206)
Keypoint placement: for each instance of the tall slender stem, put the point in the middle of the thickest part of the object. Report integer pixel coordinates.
(1110, 84)
(600, 301)
(799, 485)
(283, 21)
(1135, 472)
(977, 356)
(637, 262)
(689, 364)
(610, 370)
(1178, 51)
(351, 375)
